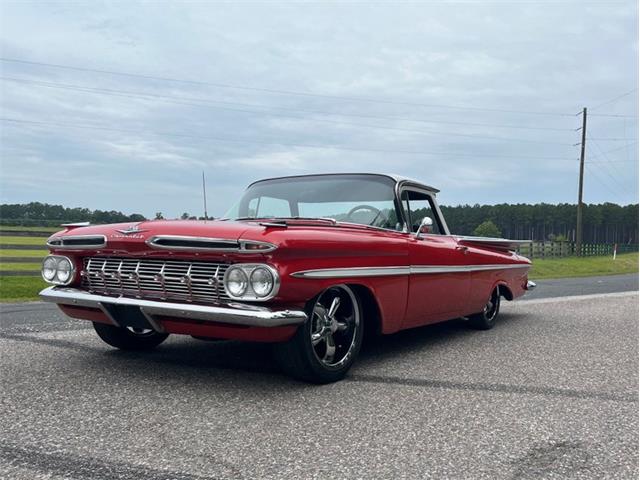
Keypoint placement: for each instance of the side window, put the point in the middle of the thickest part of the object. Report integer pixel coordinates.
(270, 207)
(418, 205)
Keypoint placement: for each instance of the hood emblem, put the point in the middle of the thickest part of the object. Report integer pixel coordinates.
(131, 230)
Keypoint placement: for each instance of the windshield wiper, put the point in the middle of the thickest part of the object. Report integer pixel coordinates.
(284, 219)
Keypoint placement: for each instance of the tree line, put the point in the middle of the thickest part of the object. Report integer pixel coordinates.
(603, 223)
(45, 215)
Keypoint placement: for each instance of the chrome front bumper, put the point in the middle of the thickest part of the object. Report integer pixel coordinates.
(530, 285)
(236, 314)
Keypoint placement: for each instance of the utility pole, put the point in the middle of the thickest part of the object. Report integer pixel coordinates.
(580, 183)
(204, 196)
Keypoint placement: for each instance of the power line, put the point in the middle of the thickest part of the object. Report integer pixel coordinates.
(258, 142)
(133, 94)
(611, 139)
(277, 91)
(607, 162)
(612, 161)
(612, 115)
(615, 99)
(596, 175)
(255, 112)
(617, 148)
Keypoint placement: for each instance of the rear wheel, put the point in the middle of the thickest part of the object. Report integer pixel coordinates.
(326, 345)
(486, 319)
(129, 338)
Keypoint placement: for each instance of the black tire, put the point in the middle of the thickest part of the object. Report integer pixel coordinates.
(126, 339)
(301, 358)
(486, 319)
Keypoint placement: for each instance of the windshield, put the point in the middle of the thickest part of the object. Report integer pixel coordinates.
(363, 199)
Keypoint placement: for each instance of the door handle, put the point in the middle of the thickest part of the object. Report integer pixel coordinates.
(462, 249)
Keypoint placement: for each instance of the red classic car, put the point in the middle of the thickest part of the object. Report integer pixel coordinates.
(307, 262)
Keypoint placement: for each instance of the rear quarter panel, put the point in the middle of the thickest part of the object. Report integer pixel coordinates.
(483, 282)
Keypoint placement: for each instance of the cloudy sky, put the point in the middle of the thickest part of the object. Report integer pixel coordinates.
(122, 106)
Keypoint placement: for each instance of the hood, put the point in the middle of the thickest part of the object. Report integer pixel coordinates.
(225, 239)
(133, 236)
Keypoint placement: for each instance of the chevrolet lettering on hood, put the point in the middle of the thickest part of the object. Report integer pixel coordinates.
(307, 263)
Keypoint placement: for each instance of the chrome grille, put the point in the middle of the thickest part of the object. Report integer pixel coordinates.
(162, 279)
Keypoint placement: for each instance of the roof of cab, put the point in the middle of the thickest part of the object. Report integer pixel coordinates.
(395, 178)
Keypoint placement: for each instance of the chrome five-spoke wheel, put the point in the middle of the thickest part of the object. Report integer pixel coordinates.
(326, 345)
(334, 326)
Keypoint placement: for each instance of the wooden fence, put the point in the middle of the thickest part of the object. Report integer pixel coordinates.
(566, 249)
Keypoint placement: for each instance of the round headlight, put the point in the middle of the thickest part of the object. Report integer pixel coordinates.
(236, 282)
(261, 281)
(64, 270)
(49, 268)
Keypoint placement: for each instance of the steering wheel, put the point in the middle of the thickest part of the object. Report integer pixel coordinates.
(369, 208)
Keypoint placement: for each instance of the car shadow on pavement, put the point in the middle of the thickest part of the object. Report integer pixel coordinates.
(189, 357)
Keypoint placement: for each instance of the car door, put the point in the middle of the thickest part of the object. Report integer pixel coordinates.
(439, 282)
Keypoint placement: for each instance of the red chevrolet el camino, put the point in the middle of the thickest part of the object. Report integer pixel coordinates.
(307, 262)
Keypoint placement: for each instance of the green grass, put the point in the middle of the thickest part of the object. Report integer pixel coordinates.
(583, 266)
(9, 228)
(20, 289)
(4, 240)
(35, 267)
(23, 253)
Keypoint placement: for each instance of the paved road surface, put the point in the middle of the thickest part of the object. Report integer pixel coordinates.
(584, 286)
(551, 392)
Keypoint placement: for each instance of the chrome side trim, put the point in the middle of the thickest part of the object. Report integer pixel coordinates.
(226, 245)
(416, 270)
(89, 246)
(400, 270)
(253, 317)
(352, 272)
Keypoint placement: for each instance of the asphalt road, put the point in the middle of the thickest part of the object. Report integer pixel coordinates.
(551, 392)
(584, 286)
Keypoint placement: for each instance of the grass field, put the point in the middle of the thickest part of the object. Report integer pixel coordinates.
(583, 267)
(22, 253)
(26, 267)
(11, 240)
(20, 289)
(9, 228)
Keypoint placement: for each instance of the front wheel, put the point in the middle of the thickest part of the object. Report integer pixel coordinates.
(326, 345)
(129, 338)
(486, 319)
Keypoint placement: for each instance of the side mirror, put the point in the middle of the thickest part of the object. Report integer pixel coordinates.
(425, 227)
